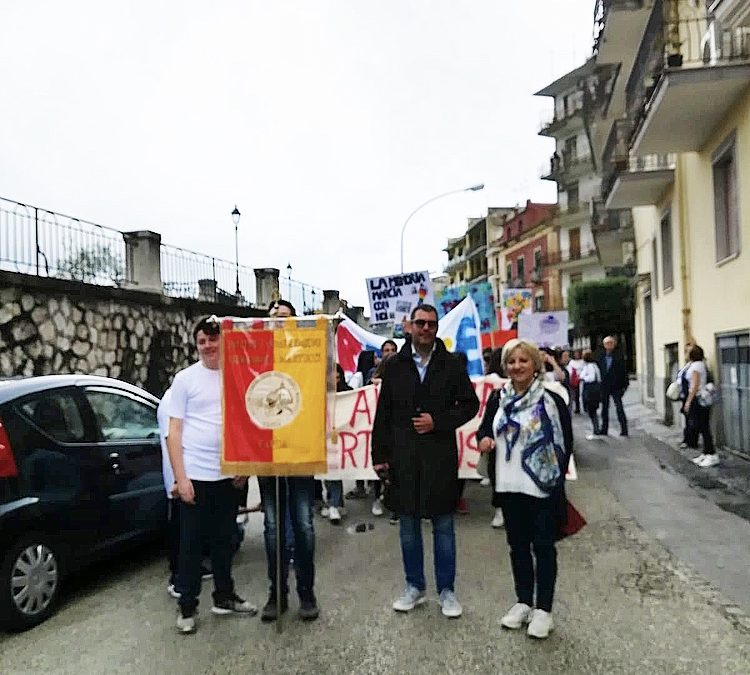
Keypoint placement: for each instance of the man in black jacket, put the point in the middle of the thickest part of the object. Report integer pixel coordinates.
(614, 383)
(425, 396)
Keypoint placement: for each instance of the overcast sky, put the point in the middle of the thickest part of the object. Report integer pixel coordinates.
(326, 121)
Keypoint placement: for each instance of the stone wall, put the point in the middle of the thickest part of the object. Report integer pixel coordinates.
(52, 326)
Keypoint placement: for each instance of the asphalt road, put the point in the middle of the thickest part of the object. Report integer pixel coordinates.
(630, 598)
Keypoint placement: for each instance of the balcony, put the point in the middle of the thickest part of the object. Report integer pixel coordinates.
(552, 124)
(571, 258)
(454, 264)
(638, 181)
(691, 73)
(612, 229)
(566, 167)
(618, 25)
(572, 215)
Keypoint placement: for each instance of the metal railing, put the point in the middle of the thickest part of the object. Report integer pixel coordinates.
(558, 257)
(609, 220)
(634, 164)
(41, 242)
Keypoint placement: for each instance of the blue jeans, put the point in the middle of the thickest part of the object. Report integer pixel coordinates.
(335, 490)
(296, 495)
(211, 520)
(444, 544)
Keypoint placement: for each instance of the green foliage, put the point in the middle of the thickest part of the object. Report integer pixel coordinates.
(93, 265)
(603, 306)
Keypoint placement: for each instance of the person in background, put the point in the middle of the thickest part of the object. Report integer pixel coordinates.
(614, 384)
(387, 350)
(698, 415)
(486, 356)
(335, 488)
(495, 367)
(591, 381)
(528, 421)
(425, 396)
(574, 369)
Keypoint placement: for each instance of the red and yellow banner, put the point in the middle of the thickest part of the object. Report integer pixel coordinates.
(274, 388)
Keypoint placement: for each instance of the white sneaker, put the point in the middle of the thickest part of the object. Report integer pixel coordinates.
(410, 598)
(185, 624)
(498, 520)
(333, 515)
(449, 605)
(324, 511)
(697, 460)
(377, 508)
(541, 624)
(517, 616)
(485, 482)
(171, 590)
(709, 461)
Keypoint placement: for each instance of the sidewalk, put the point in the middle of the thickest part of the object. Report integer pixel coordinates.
(727, 485)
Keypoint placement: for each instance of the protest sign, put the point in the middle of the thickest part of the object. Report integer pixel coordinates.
(513, 303)
(546, 329)
(274, 394)
(482, 296)
(393, 297)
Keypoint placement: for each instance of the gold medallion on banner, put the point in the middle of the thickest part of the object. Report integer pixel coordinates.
(273, 400)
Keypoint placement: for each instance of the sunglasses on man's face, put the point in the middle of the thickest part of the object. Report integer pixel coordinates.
(421, 323)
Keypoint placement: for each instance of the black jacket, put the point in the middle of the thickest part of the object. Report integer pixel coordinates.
(486, 431)
(423, 467)
(616, 378)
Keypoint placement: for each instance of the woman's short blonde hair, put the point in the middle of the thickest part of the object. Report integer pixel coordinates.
(529, 347)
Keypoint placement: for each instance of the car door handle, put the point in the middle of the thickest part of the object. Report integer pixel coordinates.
(114, 455)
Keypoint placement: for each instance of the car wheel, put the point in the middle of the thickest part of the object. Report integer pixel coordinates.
(30, 581)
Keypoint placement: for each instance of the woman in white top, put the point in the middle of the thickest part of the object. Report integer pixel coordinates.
(591, 379)
(527, 431)
(698, 416)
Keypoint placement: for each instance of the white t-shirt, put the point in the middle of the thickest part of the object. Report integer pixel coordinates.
(577, 365)
(196, 400)
(590, 373)
(700, 368)
(162, 416)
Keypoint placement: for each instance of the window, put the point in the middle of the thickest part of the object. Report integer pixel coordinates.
(539, 303)
(666, 252)
(538, 261)
(508, 272)
(122, 416)
(725, 201)
(521, 267)
(654, 269)
(573, 198)
(570, 153)
(56, 413)
(574, 245)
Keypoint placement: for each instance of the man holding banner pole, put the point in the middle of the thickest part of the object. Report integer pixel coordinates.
(426, 394)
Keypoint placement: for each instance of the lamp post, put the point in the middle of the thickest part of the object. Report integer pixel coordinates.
(473, 188)
(289, 280)
(236, 221)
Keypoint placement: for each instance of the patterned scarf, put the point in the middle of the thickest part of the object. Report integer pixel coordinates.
(531, 423)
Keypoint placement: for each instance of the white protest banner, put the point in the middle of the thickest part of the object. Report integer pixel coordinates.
(546, 329)
(350, 444)
(393, 297)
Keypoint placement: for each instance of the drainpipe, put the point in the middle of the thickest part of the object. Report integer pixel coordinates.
(682, 229)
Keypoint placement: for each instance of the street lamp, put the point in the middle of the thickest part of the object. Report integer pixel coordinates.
(236, 221)
(473, 188)
(289, 279)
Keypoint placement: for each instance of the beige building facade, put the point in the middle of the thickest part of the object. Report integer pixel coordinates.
(678, 155)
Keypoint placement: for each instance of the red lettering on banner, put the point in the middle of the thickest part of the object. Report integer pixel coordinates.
(486, 389)
(471, 444)
(346, 449)
(361, 397)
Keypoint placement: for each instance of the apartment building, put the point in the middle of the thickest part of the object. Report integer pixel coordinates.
(578, 99)
(677, 153)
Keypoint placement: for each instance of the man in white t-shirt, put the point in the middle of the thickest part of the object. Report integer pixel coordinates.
(208, 500)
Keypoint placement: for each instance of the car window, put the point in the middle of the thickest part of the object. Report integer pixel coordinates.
(122, 416)
(56, 413)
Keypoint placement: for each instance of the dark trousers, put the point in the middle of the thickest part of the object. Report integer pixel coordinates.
(297, 495)
(173, 537)
(211, 521)
(617, 398)
(699, 424)
(530, 523)
(575, 394)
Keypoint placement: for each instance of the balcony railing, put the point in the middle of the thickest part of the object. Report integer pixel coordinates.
(558, 257)
(609, 220)
(689, 43)
(565, 164)
(552, 121)
(635, 165)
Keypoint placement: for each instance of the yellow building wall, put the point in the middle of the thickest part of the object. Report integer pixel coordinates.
(719, 292)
